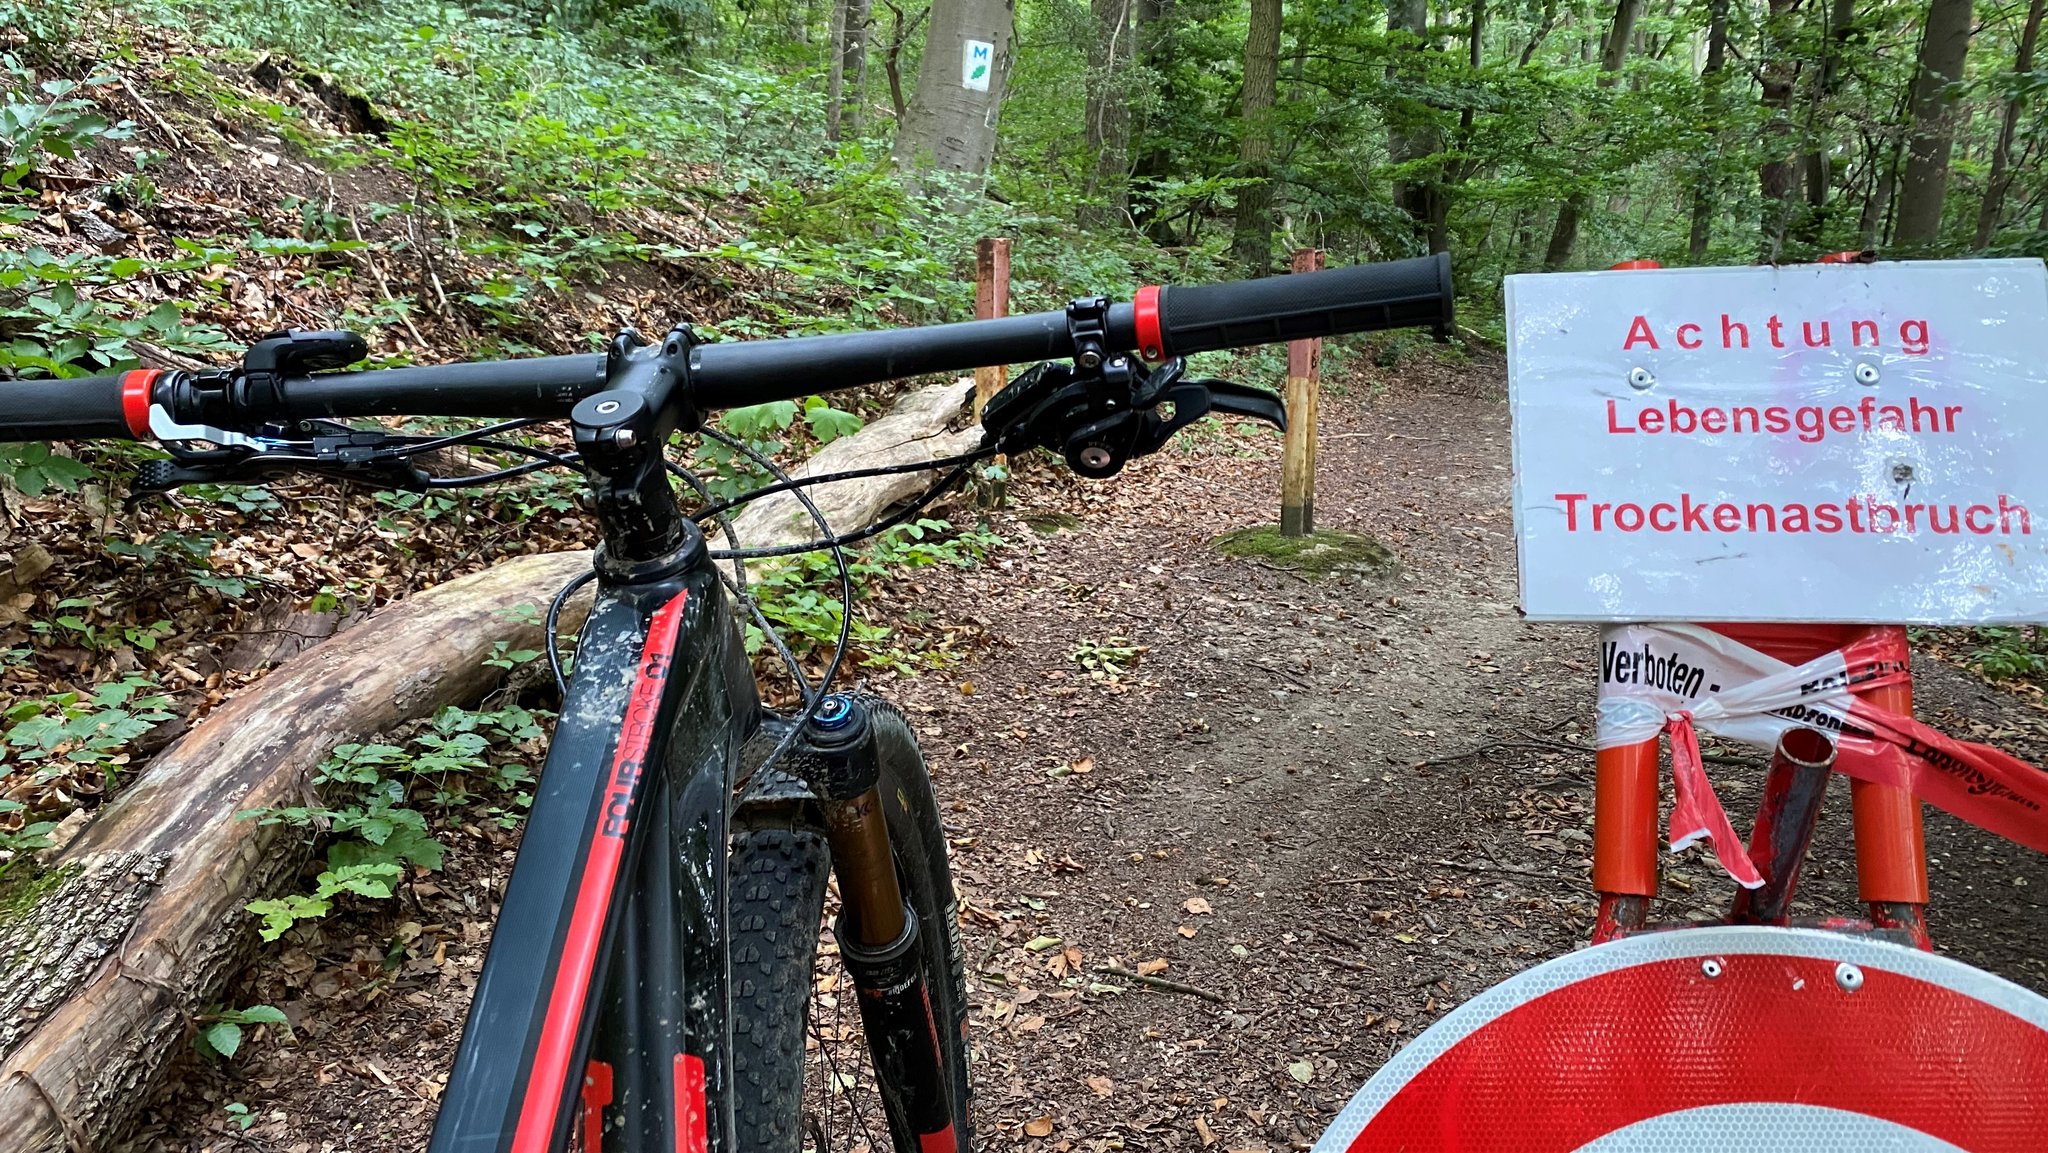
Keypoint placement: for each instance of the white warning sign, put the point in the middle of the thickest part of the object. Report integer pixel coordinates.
(1858, 443)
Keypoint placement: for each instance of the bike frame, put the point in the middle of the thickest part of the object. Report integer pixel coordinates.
(607, 973)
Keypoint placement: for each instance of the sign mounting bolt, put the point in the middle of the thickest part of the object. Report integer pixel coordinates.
(1641, 378)
(1849, 977)
(1866, 373)
(1711, 968)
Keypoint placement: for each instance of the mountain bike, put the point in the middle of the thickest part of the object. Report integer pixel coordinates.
(649, 979)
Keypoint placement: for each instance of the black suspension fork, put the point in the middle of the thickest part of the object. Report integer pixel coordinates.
(878, 931)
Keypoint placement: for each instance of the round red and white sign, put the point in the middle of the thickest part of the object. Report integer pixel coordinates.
(1727, 1039)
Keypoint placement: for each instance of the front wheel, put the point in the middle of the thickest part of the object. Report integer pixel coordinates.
(804, 1080)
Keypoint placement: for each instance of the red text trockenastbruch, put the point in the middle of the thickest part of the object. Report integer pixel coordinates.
(1856, 515)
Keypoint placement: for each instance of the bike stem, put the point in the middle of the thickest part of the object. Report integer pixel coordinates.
(622, 432)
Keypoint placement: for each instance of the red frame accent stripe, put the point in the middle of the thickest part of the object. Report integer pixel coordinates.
(692, 1135)
(1145, 309)
(135, 389)
(597, 1093)
(943, 1141)
(541, 1109)
(1599, 1055)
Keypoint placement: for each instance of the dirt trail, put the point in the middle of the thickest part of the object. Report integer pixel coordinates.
(1339, 808)
(1374, 785)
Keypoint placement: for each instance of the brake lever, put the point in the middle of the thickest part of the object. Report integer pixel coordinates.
(1243, 400)
(1191, 400)
(335, 451)
(1098, 419)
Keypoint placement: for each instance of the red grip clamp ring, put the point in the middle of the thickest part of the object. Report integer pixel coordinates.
(135, 397)
(1145, 309)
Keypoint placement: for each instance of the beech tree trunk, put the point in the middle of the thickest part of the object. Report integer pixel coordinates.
(1252, 242)
(1811, 223)
(1992, 208)
(950, 123)
(849, 68)
(1440, 205)
(141, 918)
(1613, 54)
(1778, 175)
(1924, 183)
(1705, 191)
(1412, 132)
(1155, 43)
(1108, 109)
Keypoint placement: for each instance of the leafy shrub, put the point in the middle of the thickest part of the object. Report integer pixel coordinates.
(2006, 654)
(798, 594)
(220, 1031)
(47, 120)
(69, 734)
(376, 801)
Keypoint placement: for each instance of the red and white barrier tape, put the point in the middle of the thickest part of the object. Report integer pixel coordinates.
(1682, 678)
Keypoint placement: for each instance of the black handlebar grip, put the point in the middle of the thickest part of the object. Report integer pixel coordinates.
(1411, 293)
(82, 408)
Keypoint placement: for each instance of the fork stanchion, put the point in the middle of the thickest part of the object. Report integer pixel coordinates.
(1624, 836)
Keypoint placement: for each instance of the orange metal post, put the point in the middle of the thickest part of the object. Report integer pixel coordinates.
(1891, 845)
(1625, 787)
(1625, 820)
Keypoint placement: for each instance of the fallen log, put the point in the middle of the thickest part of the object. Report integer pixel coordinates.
(914, 432)
(138, 921)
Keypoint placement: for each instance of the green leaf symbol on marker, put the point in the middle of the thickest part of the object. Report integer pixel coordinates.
(980, 70)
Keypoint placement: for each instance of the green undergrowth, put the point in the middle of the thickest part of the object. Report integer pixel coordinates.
(1319, 554)
(799, 597)
(387, 808)
(379, 803)
(2012, 655)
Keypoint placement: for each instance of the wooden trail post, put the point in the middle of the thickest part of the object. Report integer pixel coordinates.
(991, 299)
(1298, 452)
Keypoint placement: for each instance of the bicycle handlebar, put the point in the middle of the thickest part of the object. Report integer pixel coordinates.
(1361, 298)
(1160, 322)
(81, 408)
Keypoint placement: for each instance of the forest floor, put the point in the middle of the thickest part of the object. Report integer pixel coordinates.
(1339, 806)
